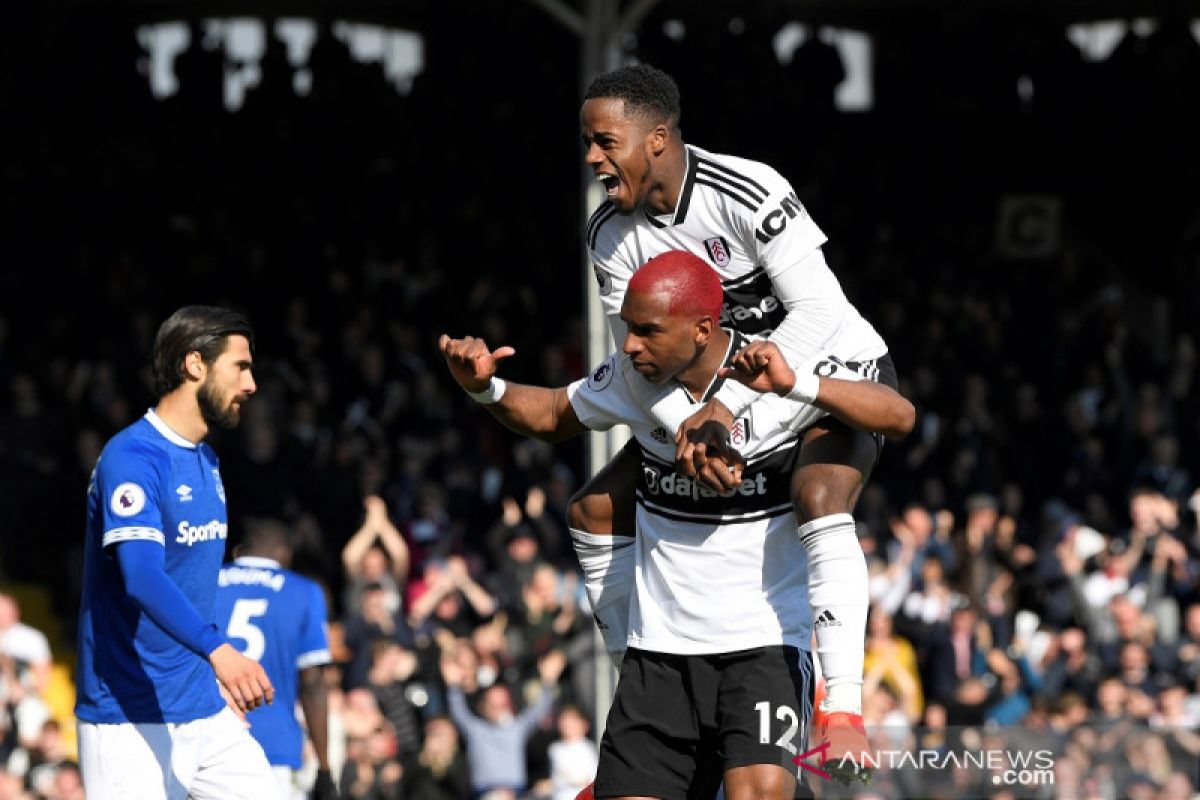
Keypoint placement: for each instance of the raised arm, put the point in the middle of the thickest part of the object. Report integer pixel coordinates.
(533, 411)
(376, 526)
(862, 404)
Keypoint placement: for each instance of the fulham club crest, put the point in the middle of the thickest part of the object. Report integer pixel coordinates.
(739, 434)
(718, 250)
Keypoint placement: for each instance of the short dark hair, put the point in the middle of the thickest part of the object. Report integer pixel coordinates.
(203, 329)
(265, 537)
(646, 90)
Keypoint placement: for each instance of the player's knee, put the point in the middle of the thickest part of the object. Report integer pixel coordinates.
(590, 512)
(815, 499)
(759, 782)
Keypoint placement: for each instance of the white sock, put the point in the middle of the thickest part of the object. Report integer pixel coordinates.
(838, 593)
(608, 565)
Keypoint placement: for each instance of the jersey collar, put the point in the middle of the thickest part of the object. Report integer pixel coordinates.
(685, 195)
(736, 342)
(168, 434)
(257, 561)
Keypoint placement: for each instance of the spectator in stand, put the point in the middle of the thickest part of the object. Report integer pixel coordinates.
(890, 660)
(439, 771)
(373, 623)
(23, 709)
(957, 651)
(1018, 682)
(375, 554)
(371, 771)
(1072, 667)
(393, 675)
(441, 605)
(573, 756)
(516, 545)
(548, 615)
(490, 643)
(1187, 654)
(496, 737)
(26, 645)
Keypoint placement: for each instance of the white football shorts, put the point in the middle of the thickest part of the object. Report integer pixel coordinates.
(214, 758)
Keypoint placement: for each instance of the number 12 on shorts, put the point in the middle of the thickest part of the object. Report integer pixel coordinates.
(783, 714)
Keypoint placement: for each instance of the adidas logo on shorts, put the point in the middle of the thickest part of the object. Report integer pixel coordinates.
(826, 619)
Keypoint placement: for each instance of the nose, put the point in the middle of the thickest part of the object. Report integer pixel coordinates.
(632, 345)
(248, 385)
(593, 157)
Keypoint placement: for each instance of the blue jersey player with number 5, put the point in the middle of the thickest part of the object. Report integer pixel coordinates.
(277, 618)
(153, 724)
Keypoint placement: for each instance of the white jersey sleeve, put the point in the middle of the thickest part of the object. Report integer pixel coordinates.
(603, 399)
(787, 242)
(612, 266)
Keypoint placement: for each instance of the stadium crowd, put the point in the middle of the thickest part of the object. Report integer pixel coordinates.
(1032, 258)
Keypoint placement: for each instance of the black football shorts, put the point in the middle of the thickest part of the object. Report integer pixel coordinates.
(677, 723)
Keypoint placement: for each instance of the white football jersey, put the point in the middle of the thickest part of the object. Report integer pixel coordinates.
(743, 218)
(715, 572)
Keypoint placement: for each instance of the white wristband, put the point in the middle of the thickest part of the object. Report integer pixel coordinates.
(806, 388)
(492, 394)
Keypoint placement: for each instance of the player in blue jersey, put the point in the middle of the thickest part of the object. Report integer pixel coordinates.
(278, 618)
(152, 667)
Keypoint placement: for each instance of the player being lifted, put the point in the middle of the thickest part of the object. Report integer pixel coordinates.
(744, 220)
(716, 682)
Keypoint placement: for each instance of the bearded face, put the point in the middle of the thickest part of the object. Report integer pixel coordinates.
(220, 409)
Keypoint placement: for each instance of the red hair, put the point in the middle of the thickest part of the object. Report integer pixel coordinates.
(693, 285)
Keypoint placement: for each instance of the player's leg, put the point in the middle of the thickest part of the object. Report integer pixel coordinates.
(601, 519)
(232, 764)
(834, 465)
(765, 706)
(649, 747)
(129, 762)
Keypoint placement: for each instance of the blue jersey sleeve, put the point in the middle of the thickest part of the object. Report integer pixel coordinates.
(146, 581)
(314, 639)
(129, 485)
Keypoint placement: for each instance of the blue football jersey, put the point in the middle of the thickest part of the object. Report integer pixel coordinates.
(277, 618)
(151, 484)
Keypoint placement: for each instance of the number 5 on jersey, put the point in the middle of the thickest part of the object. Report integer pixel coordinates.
(242, 627)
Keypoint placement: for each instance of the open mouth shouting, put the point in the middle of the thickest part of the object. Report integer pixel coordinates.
(610, 182)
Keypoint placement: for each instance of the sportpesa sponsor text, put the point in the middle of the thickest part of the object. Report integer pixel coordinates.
(191, 534)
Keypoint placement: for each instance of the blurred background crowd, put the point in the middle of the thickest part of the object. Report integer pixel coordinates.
(1018, 218)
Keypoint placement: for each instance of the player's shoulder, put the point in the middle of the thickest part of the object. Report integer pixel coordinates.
(750, 183)
(604, 229)
(138, 444)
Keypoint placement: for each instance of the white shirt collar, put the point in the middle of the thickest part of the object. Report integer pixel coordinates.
(257, 561)
(168, 434)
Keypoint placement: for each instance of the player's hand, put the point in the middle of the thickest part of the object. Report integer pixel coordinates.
(229, 701)
(242, 677)
(324, 787)
(710, 458)
(762, 367)
(471, 362)
(685, 440)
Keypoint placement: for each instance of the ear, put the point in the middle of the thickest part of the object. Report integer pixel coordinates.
(194, 367)
(658, 138)
(704, 330)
